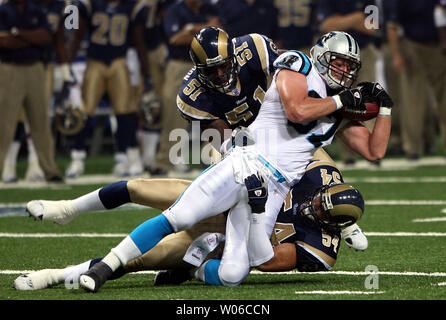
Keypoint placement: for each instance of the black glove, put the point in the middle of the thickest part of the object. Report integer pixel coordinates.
(377, 94)
(353, 98)
(257, 193)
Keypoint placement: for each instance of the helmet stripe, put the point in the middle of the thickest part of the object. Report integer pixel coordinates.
(223, 44)
(349, 43)
(199, 51)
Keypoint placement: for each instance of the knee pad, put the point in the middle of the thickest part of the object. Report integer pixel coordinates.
(232, 275)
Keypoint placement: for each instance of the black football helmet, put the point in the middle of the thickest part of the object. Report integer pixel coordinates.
(212, 52)
(334, 207)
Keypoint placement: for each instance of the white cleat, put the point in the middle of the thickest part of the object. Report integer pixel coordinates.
(9, 173)
(34, 173)
(121, 168)
(355, 238)
(37, 280)
(75, 169)
(60, 212)
(77, 165)
(135, 165)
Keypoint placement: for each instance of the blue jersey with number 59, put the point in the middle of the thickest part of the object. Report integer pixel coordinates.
(255, 56)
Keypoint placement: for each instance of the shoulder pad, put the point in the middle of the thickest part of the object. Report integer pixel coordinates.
(294, 60)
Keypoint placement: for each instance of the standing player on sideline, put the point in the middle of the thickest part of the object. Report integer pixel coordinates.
(111, 27)
(301, 239)
(219, 95)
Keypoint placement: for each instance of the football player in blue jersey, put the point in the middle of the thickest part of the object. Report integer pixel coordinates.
(226, 87)
(336, 64)
(111, 27)
(306, 237)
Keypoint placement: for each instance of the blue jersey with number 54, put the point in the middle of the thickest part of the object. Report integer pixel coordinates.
(255, 55)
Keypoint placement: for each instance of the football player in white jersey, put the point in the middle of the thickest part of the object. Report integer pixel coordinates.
(296, 117)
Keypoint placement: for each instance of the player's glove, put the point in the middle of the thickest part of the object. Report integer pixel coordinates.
(353, 98)
(378, 94)
(257, 193)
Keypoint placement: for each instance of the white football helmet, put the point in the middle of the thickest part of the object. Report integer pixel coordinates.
(333, 45)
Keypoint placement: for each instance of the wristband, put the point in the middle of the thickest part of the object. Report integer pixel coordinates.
(337, 101)
(384, 111)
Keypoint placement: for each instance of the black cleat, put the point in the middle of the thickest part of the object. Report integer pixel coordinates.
(95, 277)
(173, 277)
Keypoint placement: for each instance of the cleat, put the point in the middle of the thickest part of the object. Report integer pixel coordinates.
(37, 280)
(77, 165)
(9, 173)
(355, 238)
(121, 167)
(60, 212)
(135, 165)
(34, 173)
(95, 277)
(172, 277)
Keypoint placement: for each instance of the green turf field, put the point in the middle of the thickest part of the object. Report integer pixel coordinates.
(405, 220)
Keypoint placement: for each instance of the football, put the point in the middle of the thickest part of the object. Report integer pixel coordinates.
(370, 111)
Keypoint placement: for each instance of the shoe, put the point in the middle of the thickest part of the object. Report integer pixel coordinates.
(77, 165)
(60, 212)
(34, 173)
(121, 168)
(157, 172)
(172, 277)
(37, 280)
(413, 157)
(95, 277)
(9, 173)
(355, 238)
(55, 179)
(135, 164)
(349, 162)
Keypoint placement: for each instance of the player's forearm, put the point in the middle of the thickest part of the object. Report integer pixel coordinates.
(60, 49)
(75, 41)
(38, 37)
(380, 137)
(393, 38)
(284, 259)
(11, 42)
(342, 23)
(312, 108)
(141, 49)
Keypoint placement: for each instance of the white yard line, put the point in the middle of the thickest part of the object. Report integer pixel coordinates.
(121, 235)
(343, 292)
(346, 273)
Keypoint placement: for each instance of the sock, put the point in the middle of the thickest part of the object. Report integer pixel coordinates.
(126, 131)
(32, 154)
(260, 249)
(80, 139)
(13, 152)
(112, 261)
(150, 232)
(70, 275)
(114, 195)
(89, 202)
(208, 272)
(149, 141)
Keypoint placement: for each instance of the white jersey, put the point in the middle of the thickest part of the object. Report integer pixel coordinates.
(286, 145)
